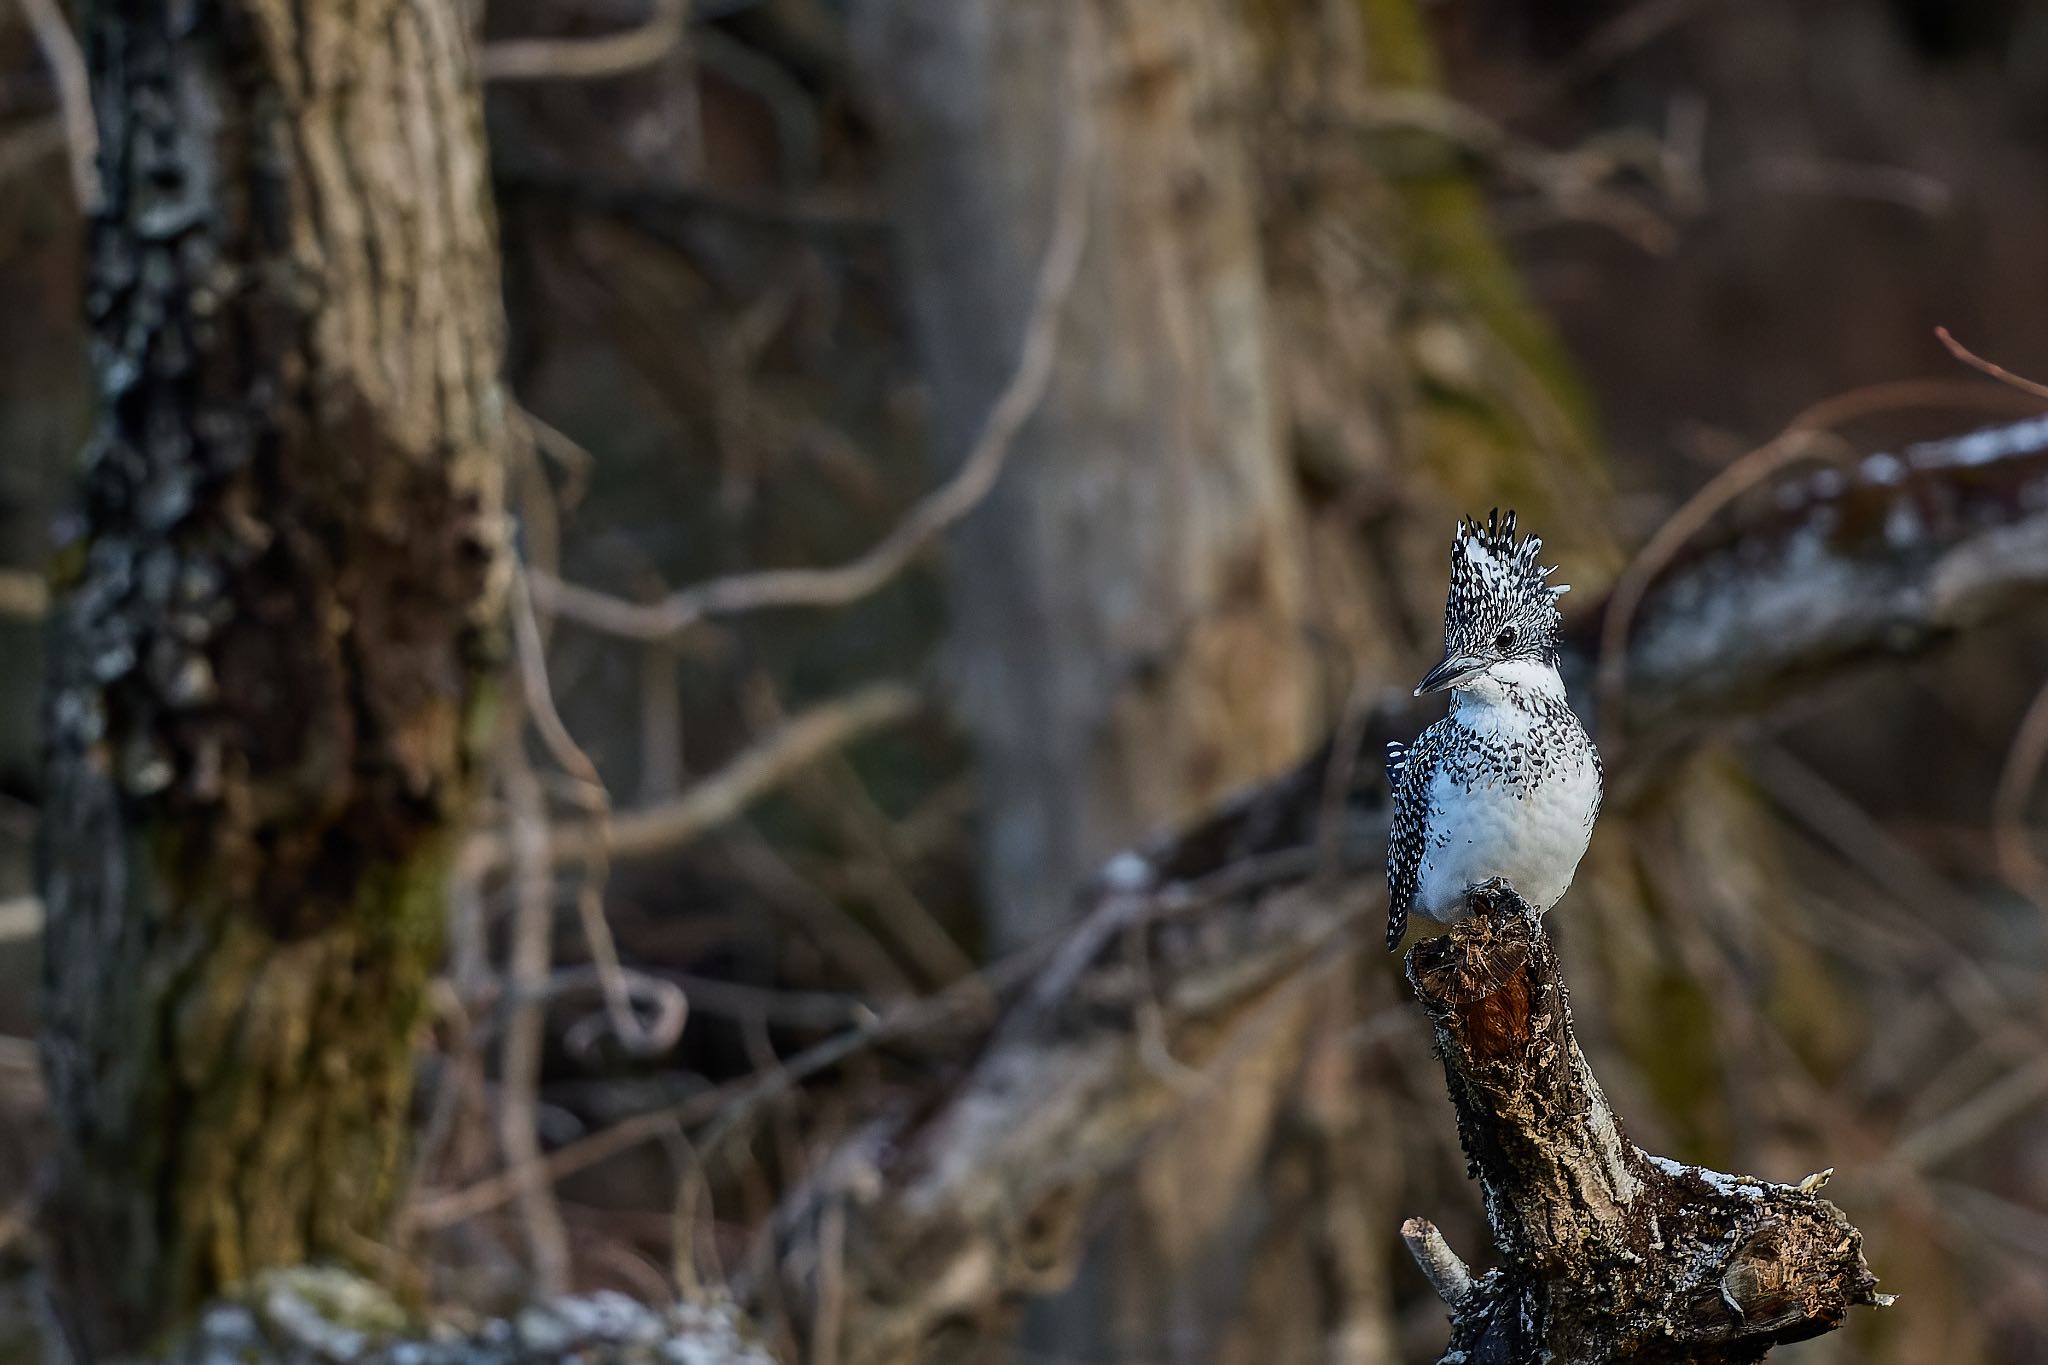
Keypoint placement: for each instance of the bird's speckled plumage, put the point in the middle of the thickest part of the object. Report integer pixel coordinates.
(1508, 784)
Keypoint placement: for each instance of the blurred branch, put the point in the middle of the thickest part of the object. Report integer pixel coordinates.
(1978, 362)
(616, 54)
(1960, 1127)
(526, 979)
(1575, 184)
(539, 696)
(1878, 554)
(730, 1102)
(1633, 28)
(720, 796)
(59, 46)
(938, 510)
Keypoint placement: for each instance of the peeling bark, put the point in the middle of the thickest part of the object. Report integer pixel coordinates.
(268, 657)
(1609, 1254)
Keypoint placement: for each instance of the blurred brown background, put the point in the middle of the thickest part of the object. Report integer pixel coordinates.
(762, 288)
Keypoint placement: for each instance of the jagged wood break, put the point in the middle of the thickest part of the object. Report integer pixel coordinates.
(1608, 1253)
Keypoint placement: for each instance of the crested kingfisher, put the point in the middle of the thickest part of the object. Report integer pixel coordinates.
(1505, 787)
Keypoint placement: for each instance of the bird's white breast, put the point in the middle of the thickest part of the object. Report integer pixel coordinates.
(1483, 822)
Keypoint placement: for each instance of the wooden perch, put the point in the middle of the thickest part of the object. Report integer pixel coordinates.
(1608, 1253)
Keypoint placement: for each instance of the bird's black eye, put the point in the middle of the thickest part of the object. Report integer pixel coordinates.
(1505, 641)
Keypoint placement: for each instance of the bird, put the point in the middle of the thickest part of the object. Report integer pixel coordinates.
(1505, 788)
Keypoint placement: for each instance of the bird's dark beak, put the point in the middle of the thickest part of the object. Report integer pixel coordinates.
(1453, 670)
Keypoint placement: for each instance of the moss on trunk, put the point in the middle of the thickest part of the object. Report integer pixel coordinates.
(271, 651)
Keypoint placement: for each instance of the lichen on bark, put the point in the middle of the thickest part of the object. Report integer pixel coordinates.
(270, 653)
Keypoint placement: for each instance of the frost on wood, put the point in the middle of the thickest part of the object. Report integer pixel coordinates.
(326, 1316)
(1607, 1252)
(1883, 557)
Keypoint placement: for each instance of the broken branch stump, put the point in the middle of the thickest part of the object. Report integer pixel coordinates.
(1608, 1254)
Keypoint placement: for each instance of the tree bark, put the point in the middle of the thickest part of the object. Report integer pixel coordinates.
(269, 660)
(1608, 1254)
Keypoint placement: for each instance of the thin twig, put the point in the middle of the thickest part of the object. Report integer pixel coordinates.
(731, 789)
(1632, 28)
(59, 46)
(1442, 1267)
(831, 1298)
(1962, 1125)
(519, 1057)
(590, 788)
(572, 59)
(938, 510)
(842, 801)
(667, 1001)
(1998, 372)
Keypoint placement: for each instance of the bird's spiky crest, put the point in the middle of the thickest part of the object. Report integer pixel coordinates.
(1491, 569)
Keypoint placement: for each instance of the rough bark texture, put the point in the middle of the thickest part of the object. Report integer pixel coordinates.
(1196, 947)
(1608, 1254)
(275, 622)
(1127, 605)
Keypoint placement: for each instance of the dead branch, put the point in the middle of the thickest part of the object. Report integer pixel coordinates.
(1884, 556)
(1809, 435)
(615, 54)
(720, 795)
(1608, 1254)
(526, 978)
(1980, 364)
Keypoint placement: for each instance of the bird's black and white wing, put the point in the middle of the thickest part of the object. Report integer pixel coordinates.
(1410, 769)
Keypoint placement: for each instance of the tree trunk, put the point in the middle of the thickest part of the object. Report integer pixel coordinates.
(269, 662)
(1128, 603)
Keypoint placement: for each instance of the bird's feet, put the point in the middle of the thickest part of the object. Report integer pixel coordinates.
(1492, 896)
